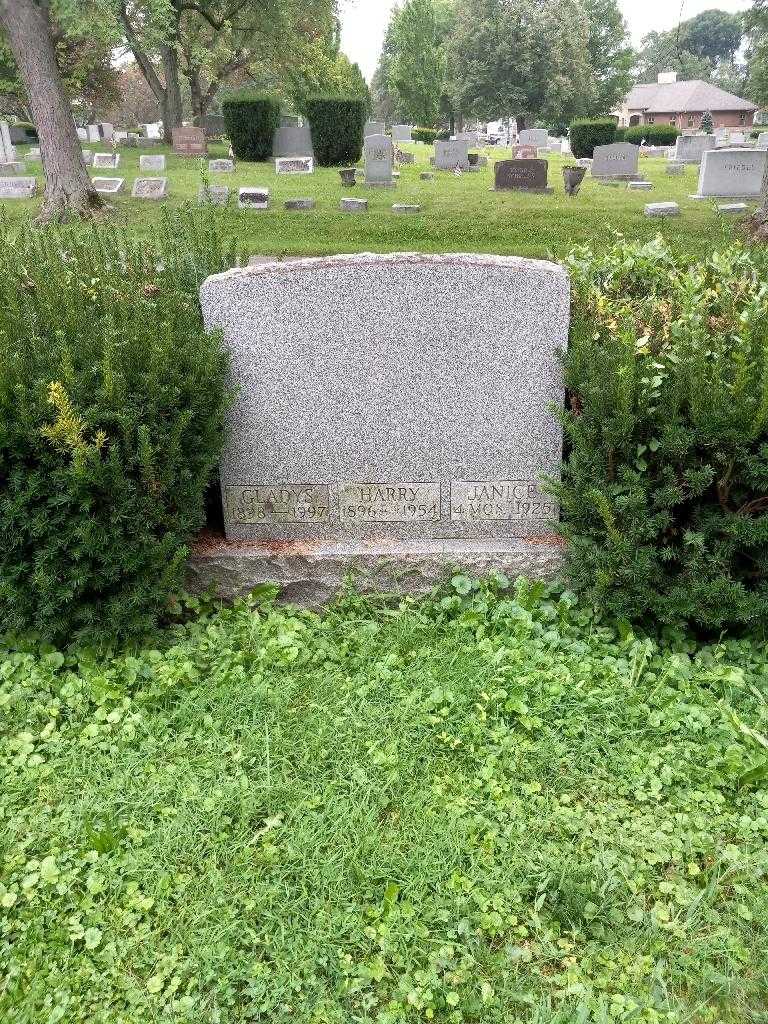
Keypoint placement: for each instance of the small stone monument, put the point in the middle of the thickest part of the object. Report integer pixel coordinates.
(17, 188)
(347, 175)
(402, 133)
(377, 153)
(215, 195)
(294, 165)
(617, 162)
(367, 433)
(106, 161)
(731, 174)
(151, 162)
(522, 176)
(450, 155)
(525, 153)
(109, 186)
(189, 141)
(535, 137)
(353, 205)
(250, 198)
(221, 166)
(150, 188)
(689, 149)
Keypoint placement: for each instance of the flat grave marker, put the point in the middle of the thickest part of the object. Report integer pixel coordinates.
(17, 188)
(221, 166)
(150, 188)
(152, 162)
(109, 186)
(253, 198)
(294, 165)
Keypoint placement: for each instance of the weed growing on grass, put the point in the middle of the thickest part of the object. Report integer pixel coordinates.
(488, 806)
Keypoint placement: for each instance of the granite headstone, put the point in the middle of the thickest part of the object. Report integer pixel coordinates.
(689, 149)
(533, 137)
(152, 162)
(150, 188)
(189, 141)
(521, 176)
(618, 160)
(731, 173)
(449, 155)
(378, 156)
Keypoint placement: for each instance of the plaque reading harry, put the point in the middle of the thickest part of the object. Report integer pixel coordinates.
(499, 501)
(389, 503)
(278, 503)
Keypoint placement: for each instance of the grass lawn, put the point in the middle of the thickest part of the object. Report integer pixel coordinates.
(459, 214)
(487, 807)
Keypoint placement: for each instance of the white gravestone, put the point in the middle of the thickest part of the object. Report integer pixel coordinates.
(7, 149)
(294, 165)
(221, 166)
(17, 188)
(449, 155)
(151, 162)
(402, 133)
(106, 161)
(150, 188)
(252, 198)
(378, 156)
(731, 173)
(108, 185)
(762, 140)
(533, 137)
(94, 135)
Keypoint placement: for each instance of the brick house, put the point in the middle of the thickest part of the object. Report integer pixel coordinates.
(682, 104)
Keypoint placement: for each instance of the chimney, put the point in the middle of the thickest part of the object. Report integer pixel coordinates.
(667, 77)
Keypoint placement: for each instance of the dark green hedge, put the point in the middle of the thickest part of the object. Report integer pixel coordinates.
(427, 135)
(586, 133)
(252, 120)
(337, 125)
(654, 134)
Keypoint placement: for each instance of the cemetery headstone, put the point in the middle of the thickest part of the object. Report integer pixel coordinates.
(524, 152)
(662, 210)
(427, 176)
(348, 205)
(93, 133)
(294, 165)
(402, 133)
(618, 160)
(762, 140)
(406, 159)
(216, 195)
(7, 149)
(14, 167)
(674, 168)
(152, 131)
(374, 128)
(82, 134)
(17, 188)
(572, 179)
(88, 157)
(250, 198)
(221, 166)
(150, 188)
(449, 155)
(521, 176)
(189, 141)
(106, 130)
(108, 185)
(299, 204)
(106, 161)
(293, 139)
(731, 173)
(411, 441)
(732, 208)
(639, 186)
(377, 153)
(34, 153)
(533, 137)
(689, 149)
(347, 175)
(152, 162)
(406, 208)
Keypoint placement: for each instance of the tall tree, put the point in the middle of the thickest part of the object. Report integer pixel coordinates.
(610, 55)
(756, 24)
(704, 46)
(417, 70)
(68, 188)
(385, 98)
(526, 56)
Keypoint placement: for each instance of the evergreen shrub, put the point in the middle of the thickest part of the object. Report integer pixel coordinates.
(654, 134)
(337, 125)
(665, 487)
(586, 133)
(427, 135)
(111, 421)
(619, 135)
(251, 120)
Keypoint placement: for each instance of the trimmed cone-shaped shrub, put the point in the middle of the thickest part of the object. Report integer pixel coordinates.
(337, 126)
(586, 133)
(252, 120)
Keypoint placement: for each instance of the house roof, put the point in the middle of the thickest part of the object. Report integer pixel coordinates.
(684, 97)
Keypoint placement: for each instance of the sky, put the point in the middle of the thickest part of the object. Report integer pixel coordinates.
(365, 21)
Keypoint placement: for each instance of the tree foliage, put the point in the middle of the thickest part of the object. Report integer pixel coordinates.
(704, 47)
(417, 71)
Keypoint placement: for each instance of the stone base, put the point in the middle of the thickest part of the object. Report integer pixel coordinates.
(312, 573)
(735, 199)
(549, 191)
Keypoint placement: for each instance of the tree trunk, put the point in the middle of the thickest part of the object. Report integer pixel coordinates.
(68, 187)
(520, 119)
(172, 107)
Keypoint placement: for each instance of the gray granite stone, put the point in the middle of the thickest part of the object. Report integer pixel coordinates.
(152, 162)
(406, 208)
(361, 415)
(640, 186)
(150, 188)
(618, 160)
(662, 210)
(216, 195)
(378, 156)
(221, 166)
(675, 168)
(449, 155)
(427, 176)
(34, 153)
(188, 140)
(13, 167)
(311, 575)
(294, 139)
(374, 128)
(402, 133)
(17, 188)
(732, 208)
(689, 149)
(521, 176)
(300, 204)
(350, 205)
(731, 173)
(524, 152)
(294, 165)
(252, 198)
(7, 148)
(106, 161)
(87, 157)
